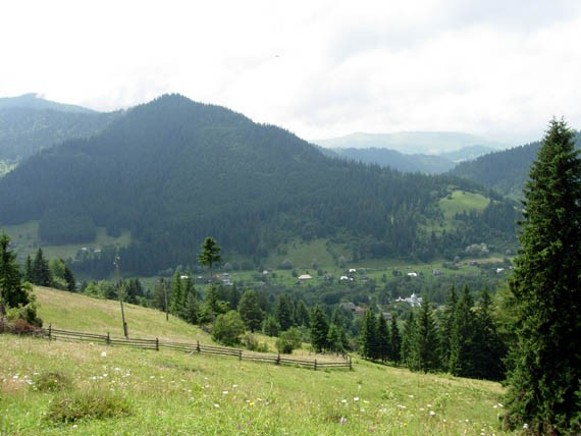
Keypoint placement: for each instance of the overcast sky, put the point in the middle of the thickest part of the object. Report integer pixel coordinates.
(498, 68)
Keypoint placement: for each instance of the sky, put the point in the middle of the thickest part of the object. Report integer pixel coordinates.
(501, 69)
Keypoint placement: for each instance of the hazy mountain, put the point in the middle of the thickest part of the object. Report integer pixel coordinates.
(409, 163)
(29, 123)
(174, 171)
(410, 142)
(505, 171)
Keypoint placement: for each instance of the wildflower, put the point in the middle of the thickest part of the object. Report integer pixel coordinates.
(355, 398)
(216, 405)
(224, 392)
(103, 354)
(525, 426)
(344, 401)
(401, 407)
(343, 420)
(432, 413)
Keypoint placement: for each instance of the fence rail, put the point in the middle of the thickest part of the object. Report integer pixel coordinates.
(155, 344)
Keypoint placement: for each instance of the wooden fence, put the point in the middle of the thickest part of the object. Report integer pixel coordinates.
(155, 344)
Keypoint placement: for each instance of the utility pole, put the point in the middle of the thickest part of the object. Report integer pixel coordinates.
(125, 329)
(165, 297)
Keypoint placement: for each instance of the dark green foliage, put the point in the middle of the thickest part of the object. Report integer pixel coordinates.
(408, 339)
(395, 341)
(490, 349)
(66, 226)
(545, 373)
(289, 341)
(12, 294)
(173, 171)
(424, 349)
(250, 311)
(228, 328)
(270, 326)
(463, 338)
(210, 254)
(51, 381)
(369, 335)
(448, 323)
(382, 340)
(319, 329)
(40, 274)
(283, 312)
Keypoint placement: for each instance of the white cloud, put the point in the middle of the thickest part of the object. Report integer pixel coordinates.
(318, 68)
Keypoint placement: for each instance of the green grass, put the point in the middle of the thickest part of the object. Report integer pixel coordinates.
(118, 390)
(24, 238)
(461, 201)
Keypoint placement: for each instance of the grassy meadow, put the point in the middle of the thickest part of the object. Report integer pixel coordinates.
(84, 388)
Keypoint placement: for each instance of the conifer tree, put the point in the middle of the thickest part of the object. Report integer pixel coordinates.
(210, 255)
(490, 350)
(319, 329)
(448, 322)
(425, 350)
(283, 312)
(369, 346)
(395, 341)
(12, 294)
(250, 311)
(544, 380)
(463, 337)
(382, 338)
(408, 339)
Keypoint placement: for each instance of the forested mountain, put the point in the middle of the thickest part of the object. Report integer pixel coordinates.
(409, 163)
(174, 171)
(29, 123)
(411, 142)
(504, 171)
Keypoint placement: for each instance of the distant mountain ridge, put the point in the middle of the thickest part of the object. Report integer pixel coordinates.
(411, 142)
(30, 123)
(173, 171)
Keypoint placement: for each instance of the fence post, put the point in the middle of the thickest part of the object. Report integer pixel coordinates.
(278, 359)
(350, 364)
(198, 346)
(315, 364)
(49, 331)
(108, 340)
(239, 354)
(156, 344)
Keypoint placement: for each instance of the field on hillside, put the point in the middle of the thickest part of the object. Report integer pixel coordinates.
(84, 388)
(68, 388)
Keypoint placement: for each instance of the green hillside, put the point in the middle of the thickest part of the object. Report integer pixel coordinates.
(173, 171)
(118, 390)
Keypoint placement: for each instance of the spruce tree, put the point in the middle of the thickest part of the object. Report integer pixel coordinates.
(490, 350)
(250, 311)
(462, 339)
(319, 329)
(395, 339)
(12, 294)
(425, 350)
(383, 342)
(408, 339)
(369, 345)
(544, 380)
(448, 322)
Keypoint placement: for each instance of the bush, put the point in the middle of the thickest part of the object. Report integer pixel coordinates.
(87, 405)
(252, 344)
(289, 341)
(228, 328)
(51, 382)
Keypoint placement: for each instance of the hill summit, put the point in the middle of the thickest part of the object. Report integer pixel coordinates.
(173, 171)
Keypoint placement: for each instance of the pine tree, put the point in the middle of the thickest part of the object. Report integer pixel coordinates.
(383, 341)
(369, 346)
(319, 329)
(283, 312)
(462, 339)
(12, 294)
(490, 350)
(395, 338)
(448, 322)
(408, 339)
(250, 311)
(425, 350)
(544, 381)
(41, 274)
(210, 255)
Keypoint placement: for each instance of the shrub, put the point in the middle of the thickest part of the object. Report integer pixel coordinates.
(87, 405)
(51, 382)
(228, 328)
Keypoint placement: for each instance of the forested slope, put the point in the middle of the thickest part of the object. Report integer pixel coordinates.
(173, 171)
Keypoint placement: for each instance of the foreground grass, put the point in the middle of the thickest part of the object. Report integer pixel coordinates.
(114, 390)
